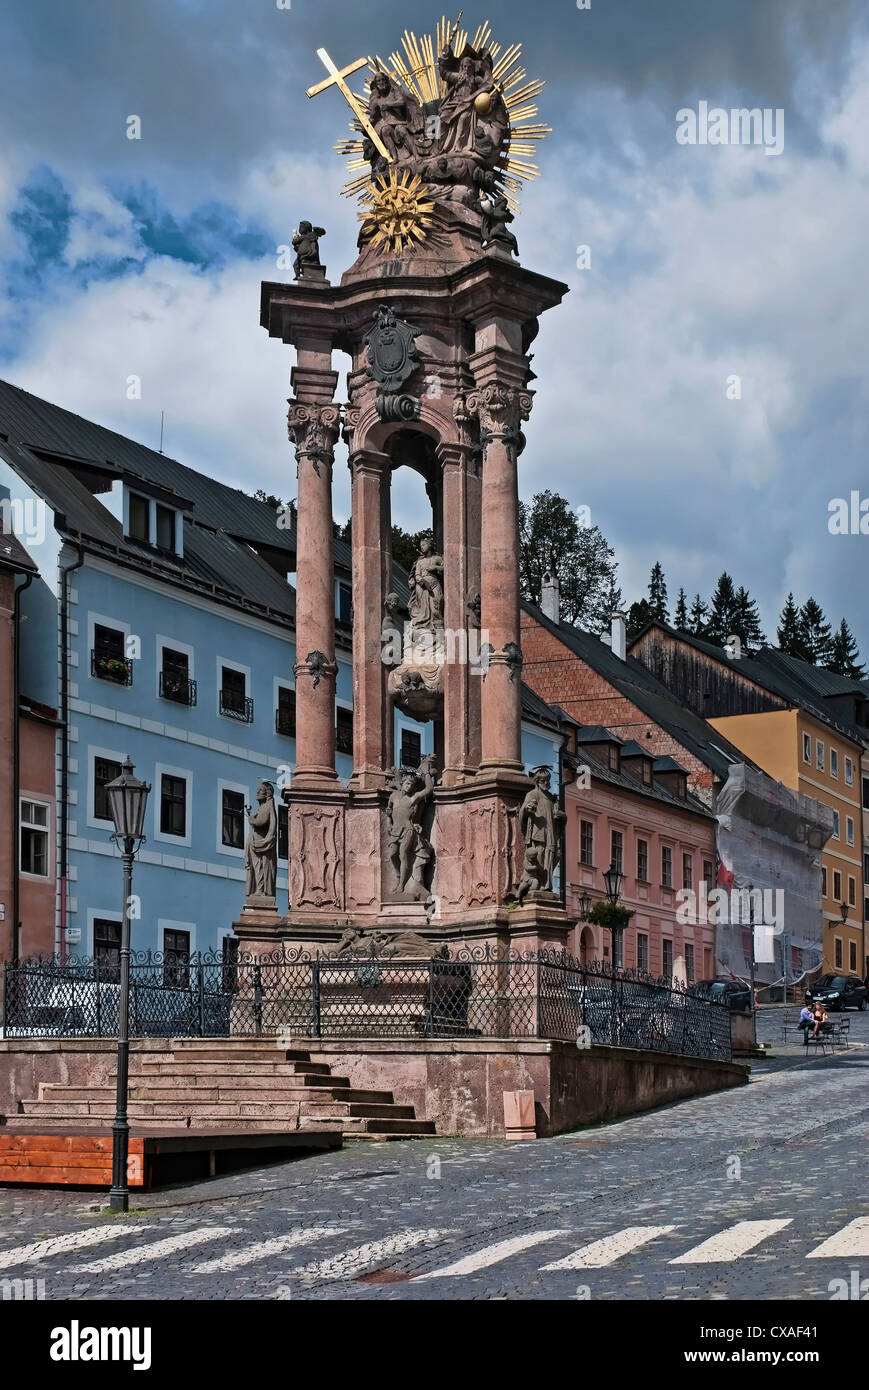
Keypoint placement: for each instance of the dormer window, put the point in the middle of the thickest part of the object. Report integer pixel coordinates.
(154, 523)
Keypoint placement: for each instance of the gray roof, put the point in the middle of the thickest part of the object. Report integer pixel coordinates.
(650, 695)
(625, 782)
(228, 536)
(13, 556)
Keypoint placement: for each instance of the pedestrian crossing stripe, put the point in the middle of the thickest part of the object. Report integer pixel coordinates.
(492, 1254)
(731, 1243)
(605, 1252)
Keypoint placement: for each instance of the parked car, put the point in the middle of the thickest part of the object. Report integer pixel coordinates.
(837, 992)
(734, 993)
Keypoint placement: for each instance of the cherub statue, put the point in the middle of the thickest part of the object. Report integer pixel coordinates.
(306, 244)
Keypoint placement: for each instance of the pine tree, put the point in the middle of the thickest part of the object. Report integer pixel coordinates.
(658, 606)
(680, 617)
(746, 621)
(639, 614)
(844, 656)
(723, 615)
(697, 617)
(613, 601)
(815, 633)
(789, 632)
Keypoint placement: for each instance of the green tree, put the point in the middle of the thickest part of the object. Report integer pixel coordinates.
(723, 613)
(816, 635)
(639, 614)
(680, 616)
(844, 656)
(551, 539)
(658, 606)
(698, 617)
(746, 621)
(789, 632)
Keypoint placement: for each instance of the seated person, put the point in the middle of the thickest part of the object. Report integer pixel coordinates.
(821, 1021)
(807, 1018)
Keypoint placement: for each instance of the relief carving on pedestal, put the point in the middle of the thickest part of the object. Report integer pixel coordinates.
(480, 871)
(317, 857)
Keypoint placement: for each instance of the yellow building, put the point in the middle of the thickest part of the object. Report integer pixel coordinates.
(811, 757)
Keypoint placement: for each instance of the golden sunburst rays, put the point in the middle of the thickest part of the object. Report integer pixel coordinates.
(396, 210)
(416, 69)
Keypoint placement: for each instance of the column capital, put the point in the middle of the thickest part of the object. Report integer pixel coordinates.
(499, 409)
(313, 428)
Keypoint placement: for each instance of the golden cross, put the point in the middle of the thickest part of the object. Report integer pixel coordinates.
(337, 79)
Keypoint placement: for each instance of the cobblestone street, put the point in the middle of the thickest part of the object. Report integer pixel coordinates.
(757, 1192)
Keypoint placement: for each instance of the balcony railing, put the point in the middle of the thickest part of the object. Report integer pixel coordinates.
(236, 706)
(177, 688)
(108, 667)
(285, 722)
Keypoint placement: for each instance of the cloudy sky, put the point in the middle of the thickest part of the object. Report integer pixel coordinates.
(144, 257)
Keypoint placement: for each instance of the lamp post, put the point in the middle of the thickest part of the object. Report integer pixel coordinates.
(127, 798)
(584, 910)
(613, 880)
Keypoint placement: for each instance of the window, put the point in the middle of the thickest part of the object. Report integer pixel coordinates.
(866, 909)
(837, 955)
(140, 518)
(175, 682)
(642, 951)
(852, 891)
(411, 748)
(232, 819)
(667, 868)
(173, 805)
(667, 959)
(849, 772)
(807, 748)
(104, 771)
(285, 716)
(852, 955)
(283, 832)
(617, 847)
(647, 772)
(613, 758)
(837, 886)
(819, 755)
(234, 700)
(164, 538)
(344, 612)
(823, 881)
(708, 873)
(866, 793)
(866, 869)
(834, 763)
(689, 965)
(34, 838)
(344, 730)
(835, 825)
(176, 959)
(586, 843)
(849, 829)
(107, 947)
(108, 658)
(643, 861)
(687, 871)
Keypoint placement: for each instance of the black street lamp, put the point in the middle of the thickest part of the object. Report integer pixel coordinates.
(613, 879)
(127, 798)
(584, 906)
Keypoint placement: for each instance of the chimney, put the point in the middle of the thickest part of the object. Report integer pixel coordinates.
(619, 639)
(550, 598)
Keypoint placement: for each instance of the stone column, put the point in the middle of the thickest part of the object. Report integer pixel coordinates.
(313, 423)
(461, 551)
(500, 409)
(372, 566)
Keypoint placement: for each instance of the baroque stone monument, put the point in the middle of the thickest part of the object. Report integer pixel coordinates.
(437, 317)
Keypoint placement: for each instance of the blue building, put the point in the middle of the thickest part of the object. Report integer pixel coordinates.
(161, 626)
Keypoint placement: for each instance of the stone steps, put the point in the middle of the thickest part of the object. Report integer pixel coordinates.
(247, 1084)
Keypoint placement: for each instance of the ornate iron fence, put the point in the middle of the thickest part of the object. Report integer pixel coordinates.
(475, 993)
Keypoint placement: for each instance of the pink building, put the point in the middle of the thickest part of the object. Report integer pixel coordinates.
(27, 784)
(630, 807)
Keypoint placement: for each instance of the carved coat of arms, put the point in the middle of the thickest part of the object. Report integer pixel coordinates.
(392, 354)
